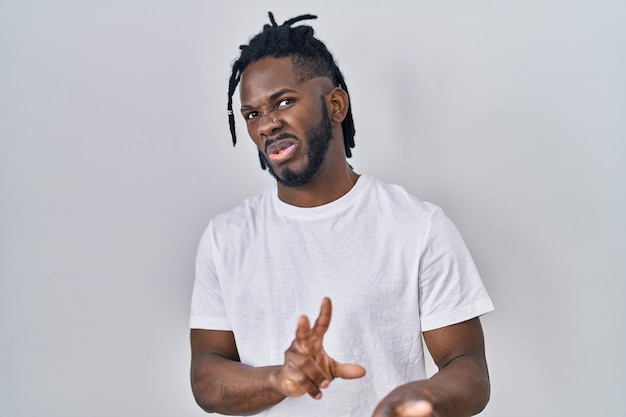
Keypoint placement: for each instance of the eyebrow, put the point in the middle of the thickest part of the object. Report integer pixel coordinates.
(272, 97)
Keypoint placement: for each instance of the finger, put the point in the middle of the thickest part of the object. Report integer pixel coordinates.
(305, 373)
(304, 329)
(317, 377)
(415, 409)
(347, 370)
(296, 384)
(323, 320)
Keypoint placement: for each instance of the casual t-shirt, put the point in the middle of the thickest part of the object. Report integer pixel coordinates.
(392, 265)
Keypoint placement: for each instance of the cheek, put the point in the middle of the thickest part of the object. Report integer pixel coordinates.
(252, 135)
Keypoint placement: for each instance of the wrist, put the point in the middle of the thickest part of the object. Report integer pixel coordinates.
(273, 381)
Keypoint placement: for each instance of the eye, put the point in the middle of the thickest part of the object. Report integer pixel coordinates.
(285, 102)
(252, 115)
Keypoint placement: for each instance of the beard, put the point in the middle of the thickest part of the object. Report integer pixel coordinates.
(319, 138)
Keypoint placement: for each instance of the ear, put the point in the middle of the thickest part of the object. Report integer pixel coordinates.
(338, 104)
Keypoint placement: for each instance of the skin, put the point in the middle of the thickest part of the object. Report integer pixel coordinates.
(222, 384)
(460, 388)
(275, 105)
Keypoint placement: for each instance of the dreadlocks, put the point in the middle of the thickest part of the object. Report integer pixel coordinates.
(309, 56)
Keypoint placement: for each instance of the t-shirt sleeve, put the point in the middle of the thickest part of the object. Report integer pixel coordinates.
(207, 305)
(451, 290)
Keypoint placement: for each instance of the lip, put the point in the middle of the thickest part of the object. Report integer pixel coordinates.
(281, 151)
(275, 146)
(280, 147)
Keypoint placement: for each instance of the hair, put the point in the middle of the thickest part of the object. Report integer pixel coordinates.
(309, 56)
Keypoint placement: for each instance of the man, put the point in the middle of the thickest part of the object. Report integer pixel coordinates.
(394, 267)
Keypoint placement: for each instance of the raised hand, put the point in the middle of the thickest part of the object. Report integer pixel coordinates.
(307, 367)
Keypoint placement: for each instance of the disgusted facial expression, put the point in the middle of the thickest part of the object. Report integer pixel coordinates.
(287, 119)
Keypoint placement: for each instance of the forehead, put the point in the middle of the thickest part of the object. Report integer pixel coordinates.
(266, 76)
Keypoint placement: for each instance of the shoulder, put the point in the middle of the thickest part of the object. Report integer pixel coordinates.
(400, 198)
(250, 207)
(242, 217)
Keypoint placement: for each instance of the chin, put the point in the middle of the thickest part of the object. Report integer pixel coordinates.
(290, 177)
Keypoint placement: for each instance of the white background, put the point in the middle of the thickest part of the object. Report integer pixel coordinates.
(115, 152)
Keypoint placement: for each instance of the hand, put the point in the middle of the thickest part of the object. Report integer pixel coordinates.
(405, 401)
(307, 367)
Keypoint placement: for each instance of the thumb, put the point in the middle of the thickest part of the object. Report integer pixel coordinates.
(347, 370)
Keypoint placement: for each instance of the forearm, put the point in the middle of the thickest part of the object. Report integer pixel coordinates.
(459, 389)
(225, 386)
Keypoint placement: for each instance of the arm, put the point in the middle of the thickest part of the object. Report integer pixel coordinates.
(221, 383)
(460, 388)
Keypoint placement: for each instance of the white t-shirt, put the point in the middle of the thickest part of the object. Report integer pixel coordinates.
(392, 265)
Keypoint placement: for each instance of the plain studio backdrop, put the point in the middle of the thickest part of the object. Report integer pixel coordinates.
(115, 152)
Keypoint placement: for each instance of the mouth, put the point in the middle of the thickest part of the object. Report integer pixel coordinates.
(281, 153)
(280, 149)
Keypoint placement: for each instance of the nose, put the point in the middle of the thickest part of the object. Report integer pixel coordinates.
(268, 124)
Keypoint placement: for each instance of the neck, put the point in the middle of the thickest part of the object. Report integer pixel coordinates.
(328, 186)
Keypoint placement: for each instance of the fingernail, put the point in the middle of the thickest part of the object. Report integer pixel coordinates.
(324, 383)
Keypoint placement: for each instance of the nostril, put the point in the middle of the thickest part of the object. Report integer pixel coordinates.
(268, 124)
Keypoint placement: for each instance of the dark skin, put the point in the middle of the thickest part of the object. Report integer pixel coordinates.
(222, 384)
(275, 103)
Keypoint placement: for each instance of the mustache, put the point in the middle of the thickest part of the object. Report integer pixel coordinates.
(280, 136)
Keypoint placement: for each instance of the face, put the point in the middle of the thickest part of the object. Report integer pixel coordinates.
(287, 120)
